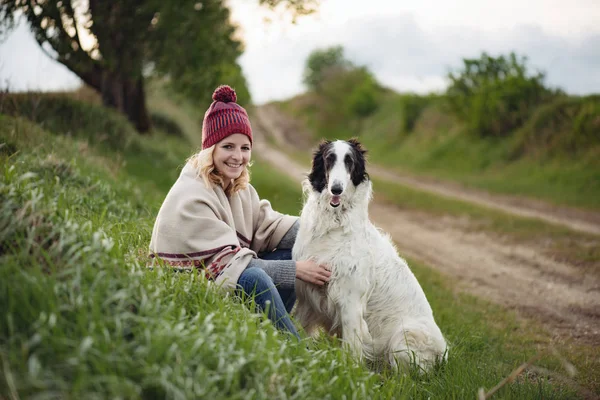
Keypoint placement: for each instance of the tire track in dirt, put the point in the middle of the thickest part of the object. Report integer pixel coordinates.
(519, 277)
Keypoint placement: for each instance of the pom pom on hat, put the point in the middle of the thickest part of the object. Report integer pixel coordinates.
(225, 94)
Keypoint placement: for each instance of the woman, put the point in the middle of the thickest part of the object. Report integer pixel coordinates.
(212, 218)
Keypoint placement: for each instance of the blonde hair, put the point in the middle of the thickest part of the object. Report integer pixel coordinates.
(205, 167)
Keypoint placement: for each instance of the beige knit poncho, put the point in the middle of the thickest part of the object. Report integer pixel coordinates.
(200, 227)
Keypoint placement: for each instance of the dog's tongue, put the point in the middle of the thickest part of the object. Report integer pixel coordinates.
(335, 201)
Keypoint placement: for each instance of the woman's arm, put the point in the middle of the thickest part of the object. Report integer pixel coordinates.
(288, 240)
(285, 272)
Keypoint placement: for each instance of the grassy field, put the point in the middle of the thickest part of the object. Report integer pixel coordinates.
(548, 158)
(84, 318)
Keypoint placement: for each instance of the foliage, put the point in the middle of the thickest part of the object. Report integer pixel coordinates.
(194, 45)
(567, 126)
(347, 93)
(363, 97)
(411, 106)
(346, 99)
(324, 64)
(297, 7)
(190, 42)
(494, 95)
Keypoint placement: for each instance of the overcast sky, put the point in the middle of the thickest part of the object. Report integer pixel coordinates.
(409, 45)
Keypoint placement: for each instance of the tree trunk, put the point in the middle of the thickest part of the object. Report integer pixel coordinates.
(128, 96)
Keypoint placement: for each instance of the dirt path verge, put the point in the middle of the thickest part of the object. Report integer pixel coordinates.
(519, 277)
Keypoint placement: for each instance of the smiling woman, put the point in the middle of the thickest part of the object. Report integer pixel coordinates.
(232, 155)
(213, 221)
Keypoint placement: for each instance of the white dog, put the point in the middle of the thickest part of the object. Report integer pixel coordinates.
(373, 301)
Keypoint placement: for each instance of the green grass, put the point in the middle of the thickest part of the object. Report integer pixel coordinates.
(84, 318)
(61, 113)
(283, 193)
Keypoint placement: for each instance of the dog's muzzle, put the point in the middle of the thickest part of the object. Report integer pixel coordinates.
(336, 191)
(335, 201)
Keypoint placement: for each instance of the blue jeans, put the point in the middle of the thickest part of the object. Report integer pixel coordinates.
(277, 302)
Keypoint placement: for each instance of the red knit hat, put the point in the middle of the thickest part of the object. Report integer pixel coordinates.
(224, 117)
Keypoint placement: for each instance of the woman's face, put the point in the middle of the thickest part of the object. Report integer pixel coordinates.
(231, 155)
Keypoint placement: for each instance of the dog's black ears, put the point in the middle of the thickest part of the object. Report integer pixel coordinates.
(323, 145)
(359, 172)
(317, 176)
(357, 146)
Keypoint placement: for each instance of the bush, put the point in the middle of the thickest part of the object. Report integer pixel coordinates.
(411, 107)
(345, 99)
(61, 114)
(362, 96)
(586, 125)
(568, 126)
(346, 93)
(321, 64)
(495, 95)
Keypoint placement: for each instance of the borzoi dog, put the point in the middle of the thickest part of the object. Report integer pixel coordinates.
(372, 301)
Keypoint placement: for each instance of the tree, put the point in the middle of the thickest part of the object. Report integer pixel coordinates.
(322, 64)
(197, 54)
(190, 42)
(348, 93)
(494, 95)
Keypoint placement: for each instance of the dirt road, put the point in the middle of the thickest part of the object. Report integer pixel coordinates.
(561, 296)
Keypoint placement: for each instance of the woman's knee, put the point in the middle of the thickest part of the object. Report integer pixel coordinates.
(255, 279)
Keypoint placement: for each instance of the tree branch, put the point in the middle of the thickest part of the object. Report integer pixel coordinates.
(69, 12)
(55, 34)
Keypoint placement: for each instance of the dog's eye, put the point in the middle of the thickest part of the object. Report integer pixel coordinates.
(330, 158)
(348, 162)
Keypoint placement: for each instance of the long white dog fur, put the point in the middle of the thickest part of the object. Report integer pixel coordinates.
(373, 301)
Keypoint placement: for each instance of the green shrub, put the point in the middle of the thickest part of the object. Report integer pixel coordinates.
(411, 107)
(362, 99)
(60, 114)
(567, 126)
(495, 95)
(345, 100)
(320, 65)
(586, 124)
(346, 93)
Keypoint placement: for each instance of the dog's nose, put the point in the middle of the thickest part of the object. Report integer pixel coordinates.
(336, 190)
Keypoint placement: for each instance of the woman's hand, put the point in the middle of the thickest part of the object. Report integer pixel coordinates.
(311, 272)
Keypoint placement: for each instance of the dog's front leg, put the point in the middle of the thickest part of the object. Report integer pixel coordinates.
(355, 330)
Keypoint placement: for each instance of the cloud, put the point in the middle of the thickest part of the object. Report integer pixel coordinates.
(405, 56)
